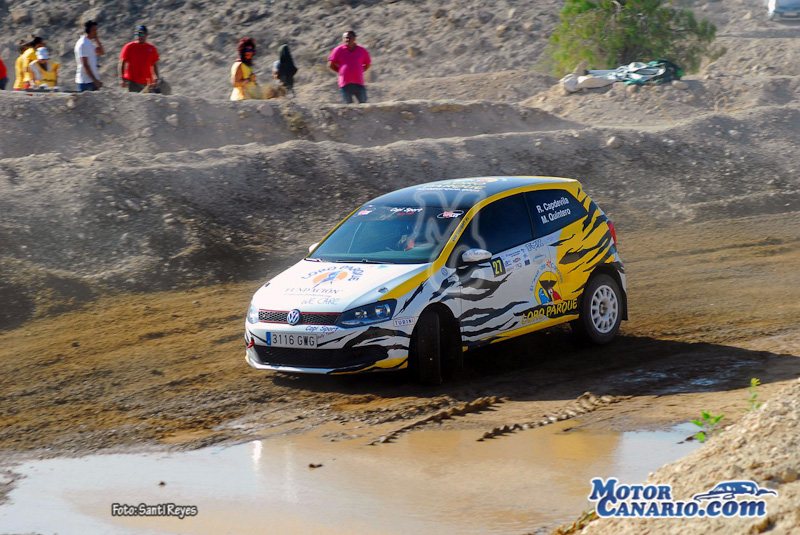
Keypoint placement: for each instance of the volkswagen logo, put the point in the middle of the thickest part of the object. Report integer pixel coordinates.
(293, 317)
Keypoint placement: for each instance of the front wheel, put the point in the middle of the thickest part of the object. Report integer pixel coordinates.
(426, 345)
(601, 310)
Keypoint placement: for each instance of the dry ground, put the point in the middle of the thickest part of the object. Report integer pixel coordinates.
(167, 367)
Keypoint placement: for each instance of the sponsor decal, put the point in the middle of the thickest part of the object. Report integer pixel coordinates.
(324, 329)
(513, 261)
(452, 214)
(330, 275)
(364, 212)
(467, 184)
(612, 499)
(542, 242)
(405, 210)
(459, 228)
(401, 322)
(320, 301)
(550, 311)
(545, 282)
(309, 291)
(545, 290)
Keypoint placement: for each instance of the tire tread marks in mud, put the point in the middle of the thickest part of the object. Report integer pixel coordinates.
(586, 402)
(477, 405)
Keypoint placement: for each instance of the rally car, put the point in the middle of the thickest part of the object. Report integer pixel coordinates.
(417, 276)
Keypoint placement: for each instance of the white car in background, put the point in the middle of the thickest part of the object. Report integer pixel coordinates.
(780, 9)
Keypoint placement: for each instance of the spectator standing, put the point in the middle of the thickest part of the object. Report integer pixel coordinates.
(42, 70)
(350, 61)
(284, 69)
(243, 79)
(87, 49)
(3, 75)
(138, 63)
(27, 53)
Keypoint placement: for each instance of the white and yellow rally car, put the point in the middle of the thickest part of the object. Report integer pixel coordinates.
(417, 276)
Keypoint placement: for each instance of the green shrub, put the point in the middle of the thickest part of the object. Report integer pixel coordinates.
(608, 33)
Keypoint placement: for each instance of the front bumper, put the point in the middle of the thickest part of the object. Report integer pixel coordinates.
(340, 355)
(789, 13)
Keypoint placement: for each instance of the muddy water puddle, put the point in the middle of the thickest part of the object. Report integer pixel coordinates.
(427, 482)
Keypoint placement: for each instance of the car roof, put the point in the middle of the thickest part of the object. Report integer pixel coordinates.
(464, 193)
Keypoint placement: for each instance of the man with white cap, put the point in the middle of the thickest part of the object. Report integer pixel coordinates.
(43, 71)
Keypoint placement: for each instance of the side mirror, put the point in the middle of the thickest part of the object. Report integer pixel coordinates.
(476, 256)
(312, 247)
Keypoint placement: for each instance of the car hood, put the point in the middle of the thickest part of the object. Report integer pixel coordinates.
(332, 287)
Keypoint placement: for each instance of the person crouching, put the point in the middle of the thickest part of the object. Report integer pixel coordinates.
(44, 73)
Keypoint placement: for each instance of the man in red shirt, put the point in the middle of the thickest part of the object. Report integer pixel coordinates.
(138, 64)
(351, 62)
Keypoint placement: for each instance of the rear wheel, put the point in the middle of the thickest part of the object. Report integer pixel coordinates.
(601, 310)
(426, 348)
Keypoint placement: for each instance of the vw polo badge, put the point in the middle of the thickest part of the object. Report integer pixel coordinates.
(293, 317)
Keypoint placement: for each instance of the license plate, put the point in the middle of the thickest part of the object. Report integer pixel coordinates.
(291, 340)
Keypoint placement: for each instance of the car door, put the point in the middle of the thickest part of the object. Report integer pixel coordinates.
(494, 293)
(558, 279)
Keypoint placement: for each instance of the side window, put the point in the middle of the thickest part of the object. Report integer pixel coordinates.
(499, 226)
(553, 209)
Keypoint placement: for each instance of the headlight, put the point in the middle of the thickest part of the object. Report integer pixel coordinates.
(373, 313)
(252, 314)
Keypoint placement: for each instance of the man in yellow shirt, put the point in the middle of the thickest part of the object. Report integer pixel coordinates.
(27, 55)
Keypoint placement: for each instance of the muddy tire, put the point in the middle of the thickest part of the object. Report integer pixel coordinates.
(426, 345)
(601, 311)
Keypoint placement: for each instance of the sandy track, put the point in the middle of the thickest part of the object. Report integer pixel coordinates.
(139, 370)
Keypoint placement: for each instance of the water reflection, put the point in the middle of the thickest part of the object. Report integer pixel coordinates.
(426, 482)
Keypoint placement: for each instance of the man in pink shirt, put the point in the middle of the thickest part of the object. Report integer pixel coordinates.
(351, 62)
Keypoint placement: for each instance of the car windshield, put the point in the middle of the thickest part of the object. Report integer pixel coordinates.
(390, 235)
(788, 3)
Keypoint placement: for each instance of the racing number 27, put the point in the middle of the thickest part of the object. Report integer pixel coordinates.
(498, 267)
